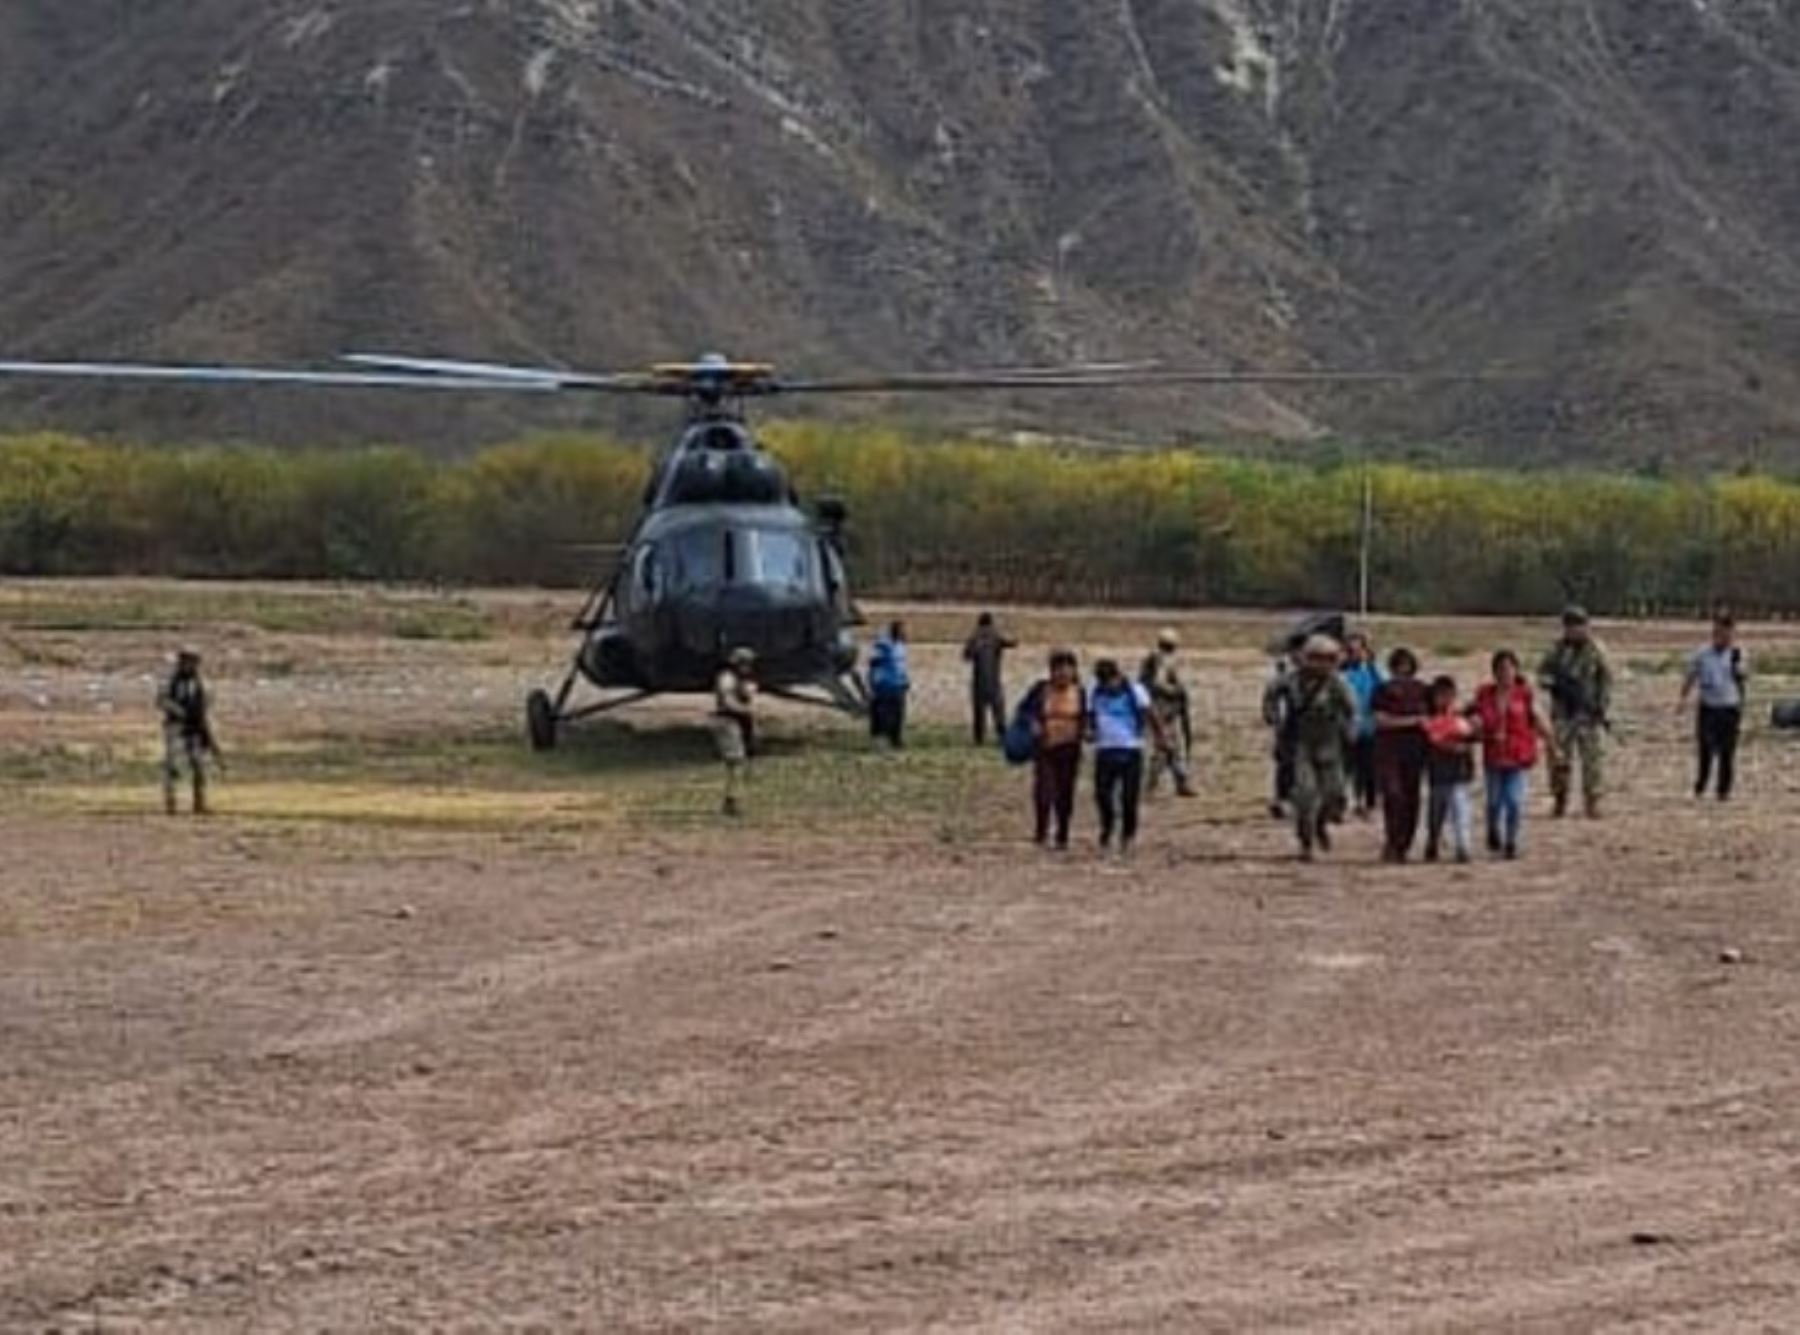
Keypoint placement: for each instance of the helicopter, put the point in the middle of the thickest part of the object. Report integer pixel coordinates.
(723, 555)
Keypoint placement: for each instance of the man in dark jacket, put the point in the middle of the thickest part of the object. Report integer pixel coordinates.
(985, 653)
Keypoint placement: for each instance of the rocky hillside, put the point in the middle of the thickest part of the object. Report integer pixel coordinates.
(1599, 196)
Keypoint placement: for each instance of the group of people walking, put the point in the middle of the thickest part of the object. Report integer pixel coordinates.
(1350, 734)
(1356, 735)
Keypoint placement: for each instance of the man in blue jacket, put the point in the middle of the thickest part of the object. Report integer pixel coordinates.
(889, 682)
(1362, 674)
(1121, 718)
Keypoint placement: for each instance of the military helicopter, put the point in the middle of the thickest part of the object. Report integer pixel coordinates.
(723, 556)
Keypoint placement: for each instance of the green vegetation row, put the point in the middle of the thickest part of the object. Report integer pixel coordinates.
(950, 519)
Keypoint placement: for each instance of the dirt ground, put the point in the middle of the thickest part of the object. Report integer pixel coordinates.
(423, 1031)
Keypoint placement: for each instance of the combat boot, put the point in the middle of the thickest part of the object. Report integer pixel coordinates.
(1561, 808)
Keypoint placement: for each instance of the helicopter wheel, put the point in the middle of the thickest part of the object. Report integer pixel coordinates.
(540, 721)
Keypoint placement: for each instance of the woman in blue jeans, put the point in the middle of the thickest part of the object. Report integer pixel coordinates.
(1120, 719)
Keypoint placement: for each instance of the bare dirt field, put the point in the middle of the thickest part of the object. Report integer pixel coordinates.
(423, 1031)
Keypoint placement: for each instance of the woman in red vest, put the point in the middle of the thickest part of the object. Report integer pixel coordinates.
(1511, 729)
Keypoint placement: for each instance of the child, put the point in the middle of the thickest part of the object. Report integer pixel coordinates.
(1450, 767)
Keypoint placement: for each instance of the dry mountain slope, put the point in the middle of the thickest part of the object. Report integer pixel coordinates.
(1595, 193)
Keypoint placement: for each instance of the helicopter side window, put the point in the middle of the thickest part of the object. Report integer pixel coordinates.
(647, 576)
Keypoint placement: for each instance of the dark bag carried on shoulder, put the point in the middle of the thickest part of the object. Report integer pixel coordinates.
(1019, 742)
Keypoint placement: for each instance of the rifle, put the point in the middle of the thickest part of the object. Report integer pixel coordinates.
(211, 744)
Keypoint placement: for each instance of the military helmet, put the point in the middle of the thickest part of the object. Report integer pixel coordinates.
(1321, 647)
(1168, 639)
(188, 656)
(1574, 615)
(742, 657)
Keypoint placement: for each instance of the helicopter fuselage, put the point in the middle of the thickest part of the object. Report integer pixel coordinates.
(699, 580)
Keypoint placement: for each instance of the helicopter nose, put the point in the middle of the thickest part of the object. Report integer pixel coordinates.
(772, 624)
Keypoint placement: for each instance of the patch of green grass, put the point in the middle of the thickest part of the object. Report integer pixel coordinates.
(812, 778)
(454, 624)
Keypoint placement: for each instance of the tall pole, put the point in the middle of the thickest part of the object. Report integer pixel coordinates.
(1368, 538)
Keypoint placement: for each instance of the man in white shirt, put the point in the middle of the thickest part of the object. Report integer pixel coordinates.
(1720, 673)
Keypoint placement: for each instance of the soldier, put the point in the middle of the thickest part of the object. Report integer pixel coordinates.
(1578, 679)
(1323, 714)
(1161, 676)
(985, 652)
(1277, 703)
(734, 722)
(187, 730)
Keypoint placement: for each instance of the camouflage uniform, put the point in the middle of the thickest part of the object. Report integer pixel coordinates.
(1277, 704)
(734, 725)
(187, 732)
(1161, 677)
(1323, 714)
(1578, 679)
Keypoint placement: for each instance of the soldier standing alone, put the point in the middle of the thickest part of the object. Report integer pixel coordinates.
(734, 722)
(1161, 676)
(187, 730)
(1578, 678)
(985, 653)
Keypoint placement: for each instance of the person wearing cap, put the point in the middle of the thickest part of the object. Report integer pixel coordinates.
(187, 730)
(1577, 677)
(734, 722)
(1161, 675)
(1323, 714)
(985, 653)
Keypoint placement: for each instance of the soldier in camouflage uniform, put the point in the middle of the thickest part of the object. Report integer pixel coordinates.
(187, 730)
(734, 723)
(1162, 677)
(1578, 678)
(1323, 714)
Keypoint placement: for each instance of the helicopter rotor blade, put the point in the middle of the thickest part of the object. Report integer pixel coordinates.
(605, 381)
(250, 375)
(1079, 377)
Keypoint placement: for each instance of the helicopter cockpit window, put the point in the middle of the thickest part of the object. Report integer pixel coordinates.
(777, 557)
(700, 559)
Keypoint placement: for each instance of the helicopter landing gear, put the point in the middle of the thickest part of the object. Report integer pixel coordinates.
(540, 721)
(846, 694)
